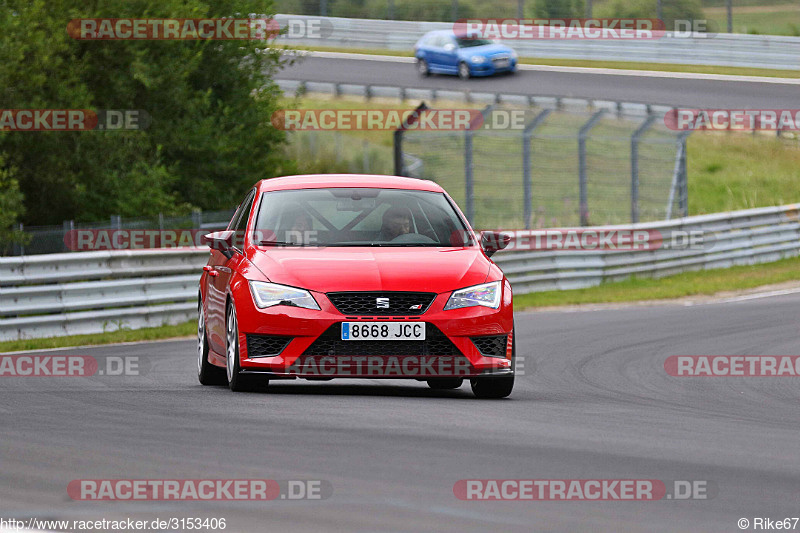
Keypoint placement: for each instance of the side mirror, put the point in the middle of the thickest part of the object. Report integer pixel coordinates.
(222, 241)
(494, 241)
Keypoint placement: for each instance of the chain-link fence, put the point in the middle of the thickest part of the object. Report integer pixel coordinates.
(34, 240)
(561, 169)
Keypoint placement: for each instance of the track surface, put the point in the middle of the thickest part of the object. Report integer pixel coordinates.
(594, 402)
(649, 89)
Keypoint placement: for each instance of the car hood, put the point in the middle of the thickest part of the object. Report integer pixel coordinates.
(486, 50)
(369, 269)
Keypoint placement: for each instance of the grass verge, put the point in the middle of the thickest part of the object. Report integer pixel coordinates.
(704, 282)
(111, 337)
(618, 65)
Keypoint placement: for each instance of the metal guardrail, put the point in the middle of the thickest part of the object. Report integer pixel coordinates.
(724, 49)
(92, 292)
(621, 109)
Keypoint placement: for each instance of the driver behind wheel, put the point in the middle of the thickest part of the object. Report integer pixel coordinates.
(396, 222)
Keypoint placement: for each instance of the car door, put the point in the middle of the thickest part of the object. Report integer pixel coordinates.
(222, 269)
(437, 54)
(449, 51)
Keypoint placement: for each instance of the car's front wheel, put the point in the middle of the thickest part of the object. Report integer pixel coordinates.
(237, 381)
(422, 68)
(496, 386)
(463, 71)
(445, 383)
(207, 373)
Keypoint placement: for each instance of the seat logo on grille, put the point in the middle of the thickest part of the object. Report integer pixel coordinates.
(382, 303)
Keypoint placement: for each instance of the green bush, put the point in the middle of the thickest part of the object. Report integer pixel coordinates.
(210, 103)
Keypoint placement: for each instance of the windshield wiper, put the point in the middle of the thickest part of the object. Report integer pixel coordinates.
(279, 243)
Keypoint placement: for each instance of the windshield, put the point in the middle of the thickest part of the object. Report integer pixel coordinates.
(468, 43)
(359, 217)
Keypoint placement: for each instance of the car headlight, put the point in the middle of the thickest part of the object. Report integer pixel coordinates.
(486, 295)
(514, 55)
(478, 59)
(270, 294)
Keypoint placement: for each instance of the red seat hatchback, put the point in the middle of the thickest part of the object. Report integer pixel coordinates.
(357, 276)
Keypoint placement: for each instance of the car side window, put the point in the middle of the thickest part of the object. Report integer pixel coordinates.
(241, 223)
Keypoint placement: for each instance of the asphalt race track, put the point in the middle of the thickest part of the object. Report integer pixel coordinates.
(594, 403)
(681, 90)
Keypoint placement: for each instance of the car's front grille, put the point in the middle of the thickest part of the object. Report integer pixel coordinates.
(266, 345)
(493, 346)
(381, 303)
(330, 343)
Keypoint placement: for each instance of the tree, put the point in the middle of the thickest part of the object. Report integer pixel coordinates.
(210, 103)
(559, 9)
(10, 204)
(672, 10)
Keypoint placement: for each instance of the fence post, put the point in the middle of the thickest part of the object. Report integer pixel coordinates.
(468, 192)
(18, 248)
(583, 193)
(68, 226)
(527, 178)
(197, 219)
(643, 127)
(116, 222)
(398, 138)
(683, 202)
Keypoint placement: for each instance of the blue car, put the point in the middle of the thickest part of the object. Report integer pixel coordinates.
(444, 52)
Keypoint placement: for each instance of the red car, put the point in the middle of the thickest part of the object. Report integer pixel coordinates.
(326, 276)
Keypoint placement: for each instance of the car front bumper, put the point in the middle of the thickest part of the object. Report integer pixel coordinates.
(292, 342)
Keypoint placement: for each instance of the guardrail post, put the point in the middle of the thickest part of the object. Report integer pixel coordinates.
(582, 186)
(643, 127)
(527, 178)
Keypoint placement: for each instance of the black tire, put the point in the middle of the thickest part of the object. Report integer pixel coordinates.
(463, 71)
(422, 68)
(207, 373)
(445, 383)
(237, 381)
(490, 388)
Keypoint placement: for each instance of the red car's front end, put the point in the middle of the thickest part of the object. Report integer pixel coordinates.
(355, 299)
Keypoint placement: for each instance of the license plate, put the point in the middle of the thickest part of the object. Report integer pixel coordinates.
(501, 63)
(383, 331)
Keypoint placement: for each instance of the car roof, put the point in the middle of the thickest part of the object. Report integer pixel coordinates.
(440, 32)
(320, 181)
